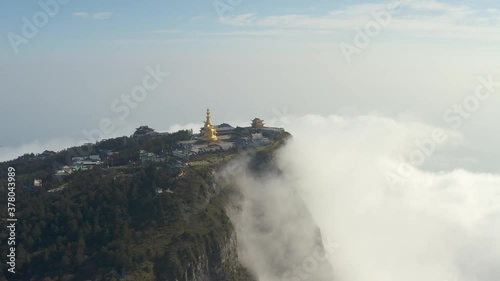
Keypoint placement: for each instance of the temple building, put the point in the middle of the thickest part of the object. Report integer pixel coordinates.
(208, 132)
(224, 129)
(257, 123)
(224, 137)
(143, 131)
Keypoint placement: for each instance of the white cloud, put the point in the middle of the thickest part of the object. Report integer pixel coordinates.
(358, 10)
(433, 5)
(166, 31)
(102, 15)
(243, 19)
(9, 153)
(95, 16)
(426, 18)
(434, 226)
(191, 126)
(82, 15)
(267, 32)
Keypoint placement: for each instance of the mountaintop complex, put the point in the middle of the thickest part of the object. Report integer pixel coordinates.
(152, 206)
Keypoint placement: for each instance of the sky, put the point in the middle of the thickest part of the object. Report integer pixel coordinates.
(74, 71)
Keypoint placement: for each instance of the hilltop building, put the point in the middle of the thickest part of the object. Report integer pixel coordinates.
(257, 123)
(46, 153)
(224, 129)
(143, 131)
(224, 137)
(37, 183)
(30, 188)
(89, 160)
(145, 156)
(208, 132)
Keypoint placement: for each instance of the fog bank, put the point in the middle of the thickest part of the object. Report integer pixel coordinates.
(380, 217)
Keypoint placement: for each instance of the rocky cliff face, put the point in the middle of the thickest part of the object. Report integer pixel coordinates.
(214, 266)
(212, 256)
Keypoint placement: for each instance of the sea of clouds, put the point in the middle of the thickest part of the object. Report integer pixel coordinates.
(377, 224)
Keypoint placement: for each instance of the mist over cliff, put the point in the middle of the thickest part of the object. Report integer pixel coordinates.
(382, 214)
(277, 237)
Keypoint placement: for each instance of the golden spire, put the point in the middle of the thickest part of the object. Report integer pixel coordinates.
(208, 121)
(209, 132)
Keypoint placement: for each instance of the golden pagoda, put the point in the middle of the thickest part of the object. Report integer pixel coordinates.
(208, 132)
